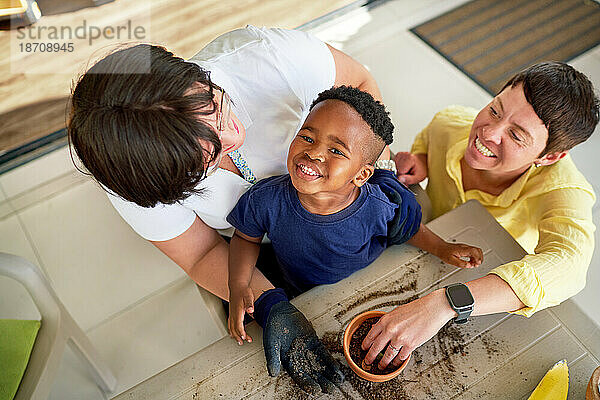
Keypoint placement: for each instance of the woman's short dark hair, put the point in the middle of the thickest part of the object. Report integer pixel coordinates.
(134, 124)
(373, 112)
(563, 98)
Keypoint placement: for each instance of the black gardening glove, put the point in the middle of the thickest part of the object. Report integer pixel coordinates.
(407, 219)
(289, 339)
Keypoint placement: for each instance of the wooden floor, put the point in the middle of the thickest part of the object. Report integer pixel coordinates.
(34, 91)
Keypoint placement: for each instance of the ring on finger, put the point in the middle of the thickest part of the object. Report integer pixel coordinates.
(394, 348)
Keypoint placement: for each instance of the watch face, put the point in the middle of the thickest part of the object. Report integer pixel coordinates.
(460, 295)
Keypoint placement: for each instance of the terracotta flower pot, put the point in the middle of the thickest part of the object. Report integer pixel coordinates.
(593, 387)
(350, 329)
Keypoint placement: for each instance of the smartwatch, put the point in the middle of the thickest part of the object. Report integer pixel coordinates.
(460, 299)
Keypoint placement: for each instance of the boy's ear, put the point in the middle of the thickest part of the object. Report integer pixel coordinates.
(363, 175)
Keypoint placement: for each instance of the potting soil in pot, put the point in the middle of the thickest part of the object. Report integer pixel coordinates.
(358, 354)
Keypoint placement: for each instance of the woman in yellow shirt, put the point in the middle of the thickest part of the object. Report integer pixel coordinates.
(512, 158)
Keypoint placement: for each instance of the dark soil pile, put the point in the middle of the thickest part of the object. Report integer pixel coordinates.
(358, 354)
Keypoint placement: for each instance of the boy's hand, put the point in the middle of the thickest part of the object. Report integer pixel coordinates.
(461, 255)
(412, 168)
(241, 301)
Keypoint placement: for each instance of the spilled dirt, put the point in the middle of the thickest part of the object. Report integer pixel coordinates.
(435, 368)
(378, 294)
(447, 346)
(396, 293)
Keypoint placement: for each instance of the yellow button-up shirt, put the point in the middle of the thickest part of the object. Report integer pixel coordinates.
(548, 210)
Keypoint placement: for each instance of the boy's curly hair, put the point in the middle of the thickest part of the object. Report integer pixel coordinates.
(372, 112)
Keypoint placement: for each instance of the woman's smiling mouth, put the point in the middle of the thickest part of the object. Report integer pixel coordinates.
(482, 149)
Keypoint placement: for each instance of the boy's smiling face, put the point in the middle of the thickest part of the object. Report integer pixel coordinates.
(326, 158)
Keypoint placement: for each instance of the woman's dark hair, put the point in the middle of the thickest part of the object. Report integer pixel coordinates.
(371, 111)
(134, 124)
(563, 98)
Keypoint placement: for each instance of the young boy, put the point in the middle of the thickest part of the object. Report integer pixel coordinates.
(324, 219)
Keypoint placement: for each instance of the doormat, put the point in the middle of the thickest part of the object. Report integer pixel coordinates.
(491, 40)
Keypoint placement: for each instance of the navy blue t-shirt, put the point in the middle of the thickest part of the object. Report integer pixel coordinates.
(315, 249)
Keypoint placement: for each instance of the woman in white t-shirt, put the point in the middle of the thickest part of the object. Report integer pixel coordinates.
(175, 143)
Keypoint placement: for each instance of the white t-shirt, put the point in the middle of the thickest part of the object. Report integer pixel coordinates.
(272, 77)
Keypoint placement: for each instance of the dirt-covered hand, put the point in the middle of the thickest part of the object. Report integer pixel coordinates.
(461, 255)
(290, 340)
(407, 219)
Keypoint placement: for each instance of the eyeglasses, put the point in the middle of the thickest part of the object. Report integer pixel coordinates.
(224, 112)
(214, 166)
(223, 115)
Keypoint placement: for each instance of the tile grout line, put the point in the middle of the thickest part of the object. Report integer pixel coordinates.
(169, 286)
(573, 335)
(581, 357)
(37, 192)
(28, 237)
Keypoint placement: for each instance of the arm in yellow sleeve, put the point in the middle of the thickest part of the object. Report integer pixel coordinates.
(557, 269)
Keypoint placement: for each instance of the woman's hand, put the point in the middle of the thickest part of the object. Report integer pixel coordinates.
(412, 168)
(460, 255)
(241, 301)
(406, 328)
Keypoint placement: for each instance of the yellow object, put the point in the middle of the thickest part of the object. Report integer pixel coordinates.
(554, 385)
(12, 7)
(548, 210)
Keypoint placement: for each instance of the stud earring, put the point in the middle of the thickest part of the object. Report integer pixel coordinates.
(537, 165)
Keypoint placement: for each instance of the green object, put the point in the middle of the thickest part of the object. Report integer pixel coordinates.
(16, 342)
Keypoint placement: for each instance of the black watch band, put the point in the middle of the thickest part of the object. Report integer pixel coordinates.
(461, 300)
(463, 317)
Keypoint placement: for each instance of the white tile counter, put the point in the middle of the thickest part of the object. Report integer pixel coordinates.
(492, 357)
